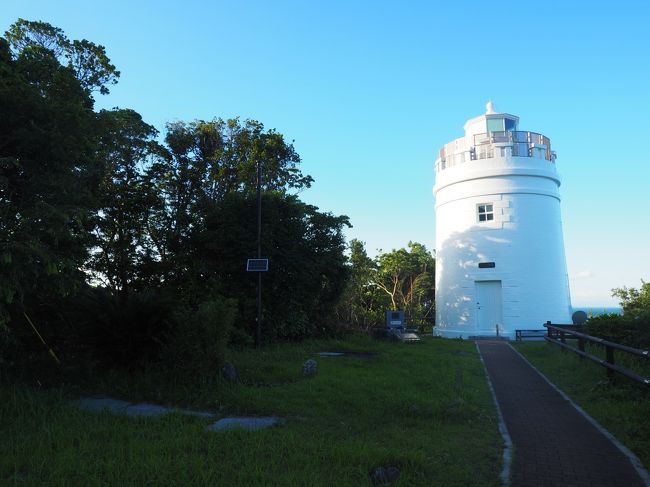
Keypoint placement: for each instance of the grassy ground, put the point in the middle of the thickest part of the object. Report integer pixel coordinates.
(622, 407)
(424, 408)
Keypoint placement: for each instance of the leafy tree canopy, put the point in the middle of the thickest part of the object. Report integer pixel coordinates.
(307, 270)
(202, 164)
(407, 276)
(399, 279)
(91, 67)
(122, 250)
(634, 300)
(48, 175)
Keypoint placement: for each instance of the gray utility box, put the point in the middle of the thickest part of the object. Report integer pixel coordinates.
(395, 319)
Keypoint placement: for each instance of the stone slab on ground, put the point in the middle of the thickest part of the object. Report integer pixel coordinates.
(144, 409)
(350, 354)
(133, 409)
(101, 403)
(248, 423)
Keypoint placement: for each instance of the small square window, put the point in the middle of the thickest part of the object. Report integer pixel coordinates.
(485, 212)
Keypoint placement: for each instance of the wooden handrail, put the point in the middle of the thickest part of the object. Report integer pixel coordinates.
(608, 362)
(635, 351)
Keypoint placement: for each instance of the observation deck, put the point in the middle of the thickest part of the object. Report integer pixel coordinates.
(509, 143)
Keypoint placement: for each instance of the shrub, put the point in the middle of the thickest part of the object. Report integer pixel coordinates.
(9, 350)
(115, 332)
(632, 329)
(634, 300)
(200, 337)
(307, 271)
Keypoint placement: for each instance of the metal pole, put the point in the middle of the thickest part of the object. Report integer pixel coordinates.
(258, 334)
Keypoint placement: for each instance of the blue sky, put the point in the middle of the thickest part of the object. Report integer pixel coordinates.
(370, 91)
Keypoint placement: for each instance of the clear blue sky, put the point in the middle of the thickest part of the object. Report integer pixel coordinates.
(370, 90)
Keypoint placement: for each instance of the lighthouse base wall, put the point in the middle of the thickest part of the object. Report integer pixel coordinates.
(464, 334)
(508, 273)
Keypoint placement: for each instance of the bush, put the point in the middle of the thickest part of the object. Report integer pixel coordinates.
(9, 350)
(307, 271)
(200, 337)
(114, 332)
(634, 300)
(631, 329)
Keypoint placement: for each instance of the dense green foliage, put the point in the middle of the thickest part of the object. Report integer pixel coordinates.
(86, 60)
(122, 256)
(634, 300)
(198, 342)
(120, 247)
(424, 408)
(401, 279)
(201, 165)
(362, 306)
(48, 177)
(632, 328)
(307, 270)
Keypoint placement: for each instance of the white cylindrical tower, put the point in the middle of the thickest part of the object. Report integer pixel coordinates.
(500, 263)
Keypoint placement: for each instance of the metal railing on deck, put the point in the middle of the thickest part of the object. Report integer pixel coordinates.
(558, 333)
(519, 143)
(511, 137)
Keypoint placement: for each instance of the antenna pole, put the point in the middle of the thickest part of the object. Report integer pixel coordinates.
(258, 332)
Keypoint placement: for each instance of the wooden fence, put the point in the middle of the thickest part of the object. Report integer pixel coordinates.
(558, 334)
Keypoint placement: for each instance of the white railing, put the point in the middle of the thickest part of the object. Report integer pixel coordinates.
(496, 144)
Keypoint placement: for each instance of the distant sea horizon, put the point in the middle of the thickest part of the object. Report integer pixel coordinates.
(599, 310)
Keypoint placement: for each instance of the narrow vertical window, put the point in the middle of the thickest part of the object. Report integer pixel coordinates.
(485, 212)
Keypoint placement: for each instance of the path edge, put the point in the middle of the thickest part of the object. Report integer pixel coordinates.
(503, 429)
(634, 460)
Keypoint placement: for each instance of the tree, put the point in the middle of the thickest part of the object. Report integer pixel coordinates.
(88, 61)
(204, 162)
(633, 300)
(400, 279)
(364, 304)
(632, 328)
(48, 176)
(407, 277)
(122, 249)
(307, 271)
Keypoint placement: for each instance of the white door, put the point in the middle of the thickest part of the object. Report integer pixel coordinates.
(488, 307)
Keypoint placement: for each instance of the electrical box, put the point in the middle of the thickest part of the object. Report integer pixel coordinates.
(395, 319)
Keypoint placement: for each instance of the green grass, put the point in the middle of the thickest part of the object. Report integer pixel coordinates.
(622, 407)
(424, 408)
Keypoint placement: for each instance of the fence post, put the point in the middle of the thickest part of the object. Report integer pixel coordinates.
(581, 346)
(610, 360)
(550, 333)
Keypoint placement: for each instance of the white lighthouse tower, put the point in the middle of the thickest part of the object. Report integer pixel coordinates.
(500, 263)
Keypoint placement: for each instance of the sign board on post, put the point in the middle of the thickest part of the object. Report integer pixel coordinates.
(257, 265)
(395, 319)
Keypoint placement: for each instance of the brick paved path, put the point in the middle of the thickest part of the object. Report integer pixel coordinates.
(553, 443)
